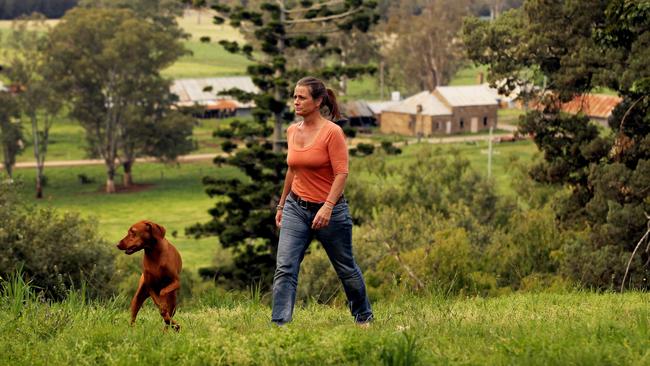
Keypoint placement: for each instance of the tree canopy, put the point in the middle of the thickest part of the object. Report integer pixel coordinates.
(103, 60)
(578, 47)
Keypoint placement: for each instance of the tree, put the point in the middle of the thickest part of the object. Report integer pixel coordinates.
(10, 131)
(425, 50)
(162, 13)
(197, 5)
(244, 218)
(281, 30)
(578, 47)
(26, 67)
(102, 59)
(150, 127)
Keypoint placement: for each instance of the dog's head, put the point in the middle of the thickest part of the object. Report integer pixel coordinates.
(141, 235)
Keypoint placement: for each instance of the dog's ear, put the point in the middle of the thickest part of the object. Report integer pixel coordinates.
(157, 231)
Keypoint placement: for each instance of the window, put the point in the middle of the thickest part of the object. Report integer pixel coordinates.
(484, 121)
(462, 123)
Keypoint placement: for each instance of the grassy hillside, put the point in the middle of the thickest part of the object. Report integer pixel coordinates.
(523, 329)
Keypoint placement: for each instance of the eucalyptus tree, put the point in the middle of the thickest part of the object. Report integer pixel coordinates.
(10, 131)
(26, 67)
(150, 126)
(100, 60)
(423, 48)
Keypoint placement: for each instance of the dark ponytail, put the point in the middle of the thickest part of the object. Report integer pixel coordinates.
(330, 103)
(318, 90)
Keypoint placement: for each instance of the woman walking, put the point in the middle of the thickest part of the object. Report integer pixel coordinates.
(312, 203)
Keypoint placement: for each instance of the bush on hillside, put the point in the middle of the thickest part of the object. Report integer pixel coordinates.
(432, 180)
(56, 252)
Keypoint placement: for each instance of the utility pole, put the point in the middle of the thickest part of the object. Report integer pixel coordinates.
(381, 79)
(489, 167)
(418, 122)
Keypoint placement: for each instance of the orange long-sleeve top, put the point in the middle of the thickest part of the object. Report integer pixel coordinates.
(316, 165)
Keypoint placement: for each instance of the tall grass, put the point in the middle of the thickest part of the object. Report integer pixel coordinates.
(16, 293)
(221, 328)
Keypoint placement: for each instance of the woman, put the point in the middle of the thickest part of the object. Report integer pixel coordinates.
(312, 203)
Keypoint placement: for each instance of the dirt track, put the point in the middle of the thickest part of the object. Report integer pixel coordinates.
(203, 157)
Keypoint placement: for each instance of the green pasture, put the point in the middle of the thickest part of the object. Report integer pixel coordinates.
(67, 140)
(218, 329)
(171, 195)
(477, 154)
(200, 25)
(207, 60)
(469, 75)
(509, 116)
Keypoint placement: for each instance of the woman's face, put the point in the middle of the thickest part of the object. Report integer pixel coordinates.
(303, 102)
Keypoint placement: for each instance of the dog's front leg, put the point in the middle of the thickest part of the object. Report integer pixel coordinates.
(138, 299)
(175, 285)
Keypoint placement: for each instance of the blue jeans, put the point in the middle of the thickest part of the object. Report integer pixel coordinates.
(295, 236)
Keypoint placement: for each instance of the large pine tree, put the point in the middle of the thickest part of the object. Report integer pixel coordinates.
(281, 36)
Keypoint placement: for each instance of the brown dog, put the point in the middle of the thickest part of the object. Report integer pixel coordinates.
(161, 269)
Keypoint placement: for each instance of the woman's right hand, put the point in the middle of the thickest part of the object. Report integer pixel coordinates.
(278, 218)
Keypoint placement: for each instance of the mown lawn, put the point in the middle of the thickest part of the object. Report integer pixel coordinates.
(578, 328)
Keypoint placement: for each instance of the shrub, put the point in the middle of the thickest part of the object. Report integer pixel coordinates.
(56, 252)
(350, 132)
(365, 149)
(529, 246)
(389, 149)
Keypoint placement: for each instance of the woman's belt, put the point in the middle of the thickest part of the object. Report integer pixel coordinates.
(308, 205)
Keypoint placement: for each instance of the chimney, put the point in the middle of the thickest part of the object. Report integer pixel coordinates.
(395, 96)
(479, 78)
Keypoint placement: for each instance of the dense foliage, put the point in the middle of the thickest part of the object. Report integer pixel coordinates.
(431, 224)
(54, 251)
(107, 62)
(578, 47)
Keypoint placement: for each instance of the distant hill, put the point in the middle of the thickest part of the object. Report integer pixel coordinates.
(11, 9)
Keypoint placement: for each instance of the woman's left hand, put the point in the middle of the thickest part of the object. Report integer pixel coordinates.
(322, 218)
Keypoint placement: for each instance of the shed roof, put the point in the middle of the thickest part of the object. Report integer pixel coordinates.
(431, 105)
(468, 95)
(379, 106)
(592, 105)
(207, 89)
(358, 108)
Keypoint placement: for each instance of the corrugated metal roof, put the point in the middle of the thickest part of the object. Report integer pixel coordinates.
(469, 95)
(356, 109)
(592, 105)
(431, 105)
(198, 90)
(379, 106)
